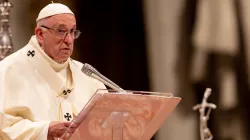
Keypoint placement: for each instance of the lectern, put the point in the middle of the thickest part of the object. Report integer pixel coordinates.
(124, 115)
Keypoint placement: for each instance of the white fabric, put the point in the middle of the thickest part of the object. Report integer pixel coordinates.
(53, 9)
(44, 133)
(63, 74)
(67, 109)
(28, 93)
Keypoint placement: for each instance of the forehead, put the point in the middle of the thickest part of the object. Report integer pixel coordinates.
(67, 20)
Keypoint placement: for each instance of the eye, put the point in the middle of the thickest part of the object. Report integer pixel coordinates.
(72, 30)
(61, 31)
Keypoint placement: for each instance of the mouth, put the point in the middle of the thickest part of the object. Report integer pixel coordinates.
(65, 49)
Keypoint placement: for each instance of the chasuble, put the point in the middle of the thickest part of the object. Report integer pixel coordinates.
(33, 93)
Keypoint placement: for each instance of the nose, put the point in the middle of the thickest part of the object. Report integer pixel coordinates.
(69, 39)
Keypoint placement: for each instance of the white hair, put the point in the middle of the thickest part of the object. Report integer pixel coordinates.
(41, 22)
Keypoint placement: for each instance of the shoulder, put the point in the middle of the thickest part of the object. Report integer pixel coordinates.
(9, 61)
(77, 63)
(16, 60)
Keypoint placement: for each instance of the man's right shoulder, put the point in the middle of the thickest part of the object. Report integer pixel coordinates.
(15, 58)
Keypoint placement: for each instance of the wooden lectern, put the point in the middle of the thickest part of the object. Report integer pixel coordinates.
(124, 115)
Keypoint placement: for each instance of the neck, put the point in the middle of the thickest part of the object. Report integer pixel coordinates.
(60, 61)
(57, 61)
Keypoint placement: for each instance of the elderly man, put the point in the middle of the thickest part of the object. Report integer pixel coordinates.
(41, 87)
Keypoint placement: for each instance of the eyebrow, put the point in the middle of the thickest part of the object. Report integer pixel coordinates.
(64, 26)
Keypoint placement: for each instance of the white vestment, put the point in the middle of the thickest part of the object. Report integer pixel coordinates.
(32, 93)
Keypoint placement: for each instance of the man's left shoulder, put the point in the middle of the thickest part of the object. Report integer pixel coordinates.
(76, 63)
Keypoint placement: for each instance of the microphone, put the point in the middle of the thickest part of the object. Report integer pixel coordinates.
(92, 72)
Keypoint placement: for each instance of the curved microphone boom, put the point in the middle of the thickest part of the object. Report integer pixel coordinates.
(92, 72)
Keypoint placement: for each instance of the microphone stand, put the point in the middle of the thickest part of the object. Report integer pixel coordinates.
(92, 72)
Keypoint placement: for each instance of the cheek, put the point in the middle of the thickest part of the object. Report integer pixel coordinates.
(72, 47)
(53, 46)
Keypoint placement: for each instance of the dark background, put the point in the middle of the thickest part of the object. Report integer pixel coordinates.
(113, 40)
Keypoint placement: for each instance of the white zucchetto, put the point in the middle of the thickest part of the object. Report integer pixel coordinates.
(53, 9)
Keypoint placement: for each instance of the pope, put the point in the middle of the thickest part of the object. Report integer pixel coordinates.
(41, 87)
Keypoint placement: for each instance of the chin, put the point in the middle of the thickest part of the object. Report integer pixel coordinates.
(63, 58)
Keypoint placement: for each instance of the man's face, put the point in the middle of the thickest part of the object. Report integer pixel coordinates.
(56, 46)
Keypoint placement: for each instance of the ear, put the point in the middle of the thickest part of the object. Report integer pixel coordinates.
(39, 35)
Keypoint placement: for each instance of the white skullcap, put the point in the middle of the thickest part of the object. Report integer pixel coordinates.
(53, 9)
